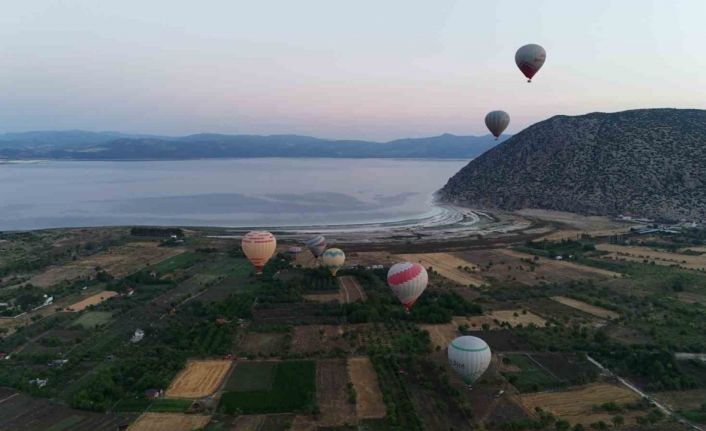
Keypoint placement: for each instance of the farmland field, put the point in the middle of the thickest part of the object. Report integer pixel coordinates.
(447, 265)
(92, 300)
(331, 393)
(531, 377)
(293, 389)
(587, 308)
(199, 379)
(350, 290)
(640, 254)
(117, 261)
(262, 343)
(517, 317)
(318, 338)
(369, 402)
(169, 422)
(576, 404)
(91, 319)
(252, 376)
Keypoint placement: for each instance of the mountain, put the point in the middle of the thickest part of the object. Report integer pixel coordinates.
(78, 145)
(648, 162)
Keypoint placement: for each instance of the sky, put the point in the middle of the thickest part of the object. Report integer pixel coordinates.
(339, 69)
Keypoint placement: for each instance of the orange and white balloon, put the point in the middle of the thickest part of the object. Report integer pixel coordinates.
(259, 246)
(407, 281)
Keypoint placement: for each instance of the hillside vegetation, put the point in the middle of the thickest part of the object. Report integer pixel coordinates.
(649, 162)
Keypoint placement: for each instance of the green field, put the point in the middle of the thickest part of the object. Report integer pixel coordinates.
(179, 261)
(252, 376)
(531, 378)
(165, 405)
(293, 389)
(91, 319)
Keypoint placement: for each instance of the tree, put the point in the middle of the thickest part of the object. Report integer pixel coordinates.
(562, 425)
(618, 420)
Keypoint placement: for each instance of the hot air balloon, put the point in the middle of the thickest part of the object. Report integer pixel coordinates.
(259, 246)
(530, 59)
(333, 259)
(469, 357)
(316, 245)
(497, 122)
(407, 281)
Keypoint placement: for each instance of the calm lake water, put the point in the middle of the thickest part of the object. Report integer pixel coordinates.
(233, 192)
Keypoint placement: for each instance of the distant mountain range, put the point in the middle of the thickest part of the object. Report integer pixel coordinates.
(83, 145)
(648, 162)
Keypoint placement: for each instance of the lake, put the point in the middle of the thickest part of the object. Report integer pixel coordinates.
(232, 192)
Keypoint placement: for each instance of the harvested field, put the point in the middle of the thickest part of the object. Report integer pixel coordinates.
(169, 422)
(332, 393)
(351, 291)
(262, 343)
(518, 317)
(92, 300)
(369, 402)
(510, 265)
(447, 264)
(587, 308)
(682, 400)
(550, 309)
(200, 378)
(640, 254)
(691, 298)
(323, 298)
(576, 404)
(318, 338)
(117, 261)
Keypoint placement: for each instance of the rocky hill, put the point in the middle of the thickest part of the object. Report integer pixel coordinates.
(648, 162)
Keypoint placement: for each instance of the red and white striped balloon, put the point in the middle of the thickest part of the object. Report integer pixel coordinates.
(407, 281)
(259, 246)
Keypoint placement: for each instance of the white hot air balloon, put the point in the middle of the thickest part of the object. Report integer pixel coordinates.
(407, 281)
(529, 59)
(316, 245)
(497, 122)
(333, 259)
(469, 357)
(259, 246)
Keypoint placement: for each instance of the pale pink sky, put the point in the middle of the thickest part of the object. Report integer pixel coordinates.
(364, 69)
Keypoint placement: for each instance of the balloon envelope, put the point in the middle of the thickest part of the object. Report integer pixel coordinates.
(333, 259)
(469, 357)
(497, 122)
(407, 281)
(259, 246)
(316, 245)
(530, 59)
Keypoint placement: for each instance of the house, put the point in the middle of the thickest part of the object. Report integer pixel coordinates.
(57, 363)
(39, 382)
(138, 336)
(130, 291)
(153, 394)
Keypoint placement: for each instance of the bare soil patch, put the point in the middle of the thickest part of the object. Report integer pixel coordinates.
(351, 290)
(518, 317)
(262, 343)
(117, 261)
(369, 404)
(318, 338)
(169, 422)
(200, 378)
(447, 265)
(323, 298)
(331, 393)
(576, 404)
(587, 308)
(92, 300)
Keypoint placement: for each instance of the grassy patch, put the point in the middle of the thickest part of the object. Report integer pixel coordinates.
(179, 261)
(132, 405)
(293, 389)
(92, 319)
(166, 405)
(252, 376)
(531, 378)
